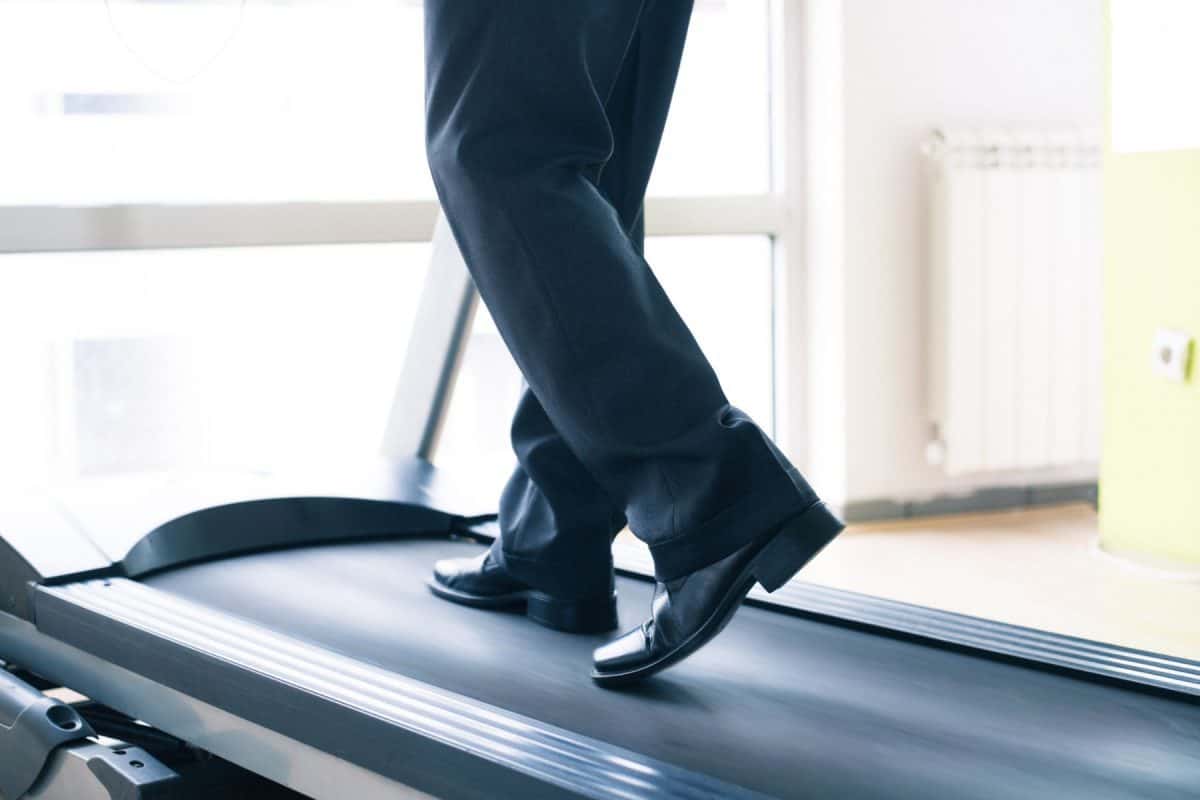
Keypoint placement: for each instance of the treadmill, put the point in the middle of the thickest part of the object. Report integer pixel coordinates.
(277, 627)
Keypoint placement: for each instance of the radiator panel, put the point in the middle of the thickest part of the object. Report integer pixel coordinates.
(1015, 277)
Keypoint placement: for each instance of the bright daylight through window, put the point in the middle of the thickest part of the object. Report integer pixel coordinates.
(295, 127)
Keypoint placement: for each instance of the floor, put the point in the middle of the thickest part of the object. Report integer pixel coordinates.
(1040, 568)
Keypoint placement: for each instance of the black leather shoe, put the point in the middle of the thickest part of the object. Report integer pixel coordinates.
(481, 582)
(687, 612)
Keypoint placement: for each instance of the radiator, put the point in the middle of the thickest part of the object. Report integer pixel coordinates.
(1015, 280)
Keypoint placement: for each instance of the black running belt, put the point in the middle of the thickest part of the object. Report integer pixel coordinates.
(777, 704)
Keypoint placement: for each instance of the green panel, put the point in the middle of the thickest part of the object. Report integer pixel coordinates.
(1150, 475)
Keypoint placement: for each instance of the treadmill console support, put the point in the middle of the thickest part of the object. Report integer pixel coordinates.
(270, 524)
(32, 727)
(56, 541)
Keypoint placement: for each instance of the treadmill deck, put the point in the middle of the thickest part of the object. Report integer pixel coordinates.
(783, 705)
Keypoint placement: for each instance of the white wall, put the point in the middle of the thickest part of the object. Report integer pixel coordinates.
(908, 66)
(1155, 62)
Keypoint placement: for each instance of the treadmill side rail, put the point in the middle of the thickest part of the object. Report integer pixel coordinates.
(32, 727)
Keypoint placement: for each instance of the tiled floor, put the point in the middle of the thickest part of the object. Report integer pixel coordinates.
(1039, 568)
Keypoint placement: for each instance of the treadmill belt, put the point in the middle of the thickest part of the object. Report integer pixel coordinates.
(780, 704)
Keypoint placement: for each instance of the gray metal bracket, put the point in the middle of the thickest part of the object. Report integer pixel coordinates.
(92, 771)
(32, 727)
(435, 349)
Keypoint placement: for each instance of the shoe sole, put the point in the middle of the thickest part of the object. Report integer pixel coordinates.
(581, 616)
(781, 557)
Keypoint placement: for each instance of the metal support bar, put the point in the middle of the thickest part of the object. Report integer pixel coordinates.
(435, 350)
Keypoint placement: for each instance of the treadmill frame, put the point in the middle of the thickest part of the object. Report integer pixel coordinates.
(290, 710)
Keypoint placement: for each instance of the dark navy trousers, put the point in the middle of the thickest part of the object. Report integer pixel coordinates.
(543, 122)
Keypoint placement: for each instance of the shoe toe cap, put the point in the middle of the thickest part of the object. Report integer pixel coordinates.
(626, 652)
(447, 570)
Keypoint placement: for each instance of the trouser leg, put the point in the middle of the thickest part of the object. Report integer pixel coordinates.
(519, 136)
(556, 521)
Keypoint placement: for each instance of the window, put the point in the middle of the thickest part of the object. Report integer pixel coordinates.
(718, 137)
(199, 358)
(215, 222)
(211, 102)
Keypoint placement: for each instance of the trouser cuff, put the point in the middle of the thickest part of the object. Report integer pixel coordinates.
(756, 515)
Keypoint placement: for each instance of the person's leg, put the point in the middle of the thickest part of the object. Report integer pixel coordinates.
(518, 136)
(556, 521)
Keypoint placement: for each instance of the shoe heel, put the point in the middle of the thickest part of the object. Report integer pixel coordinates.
(580, 616)
(797, 543)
